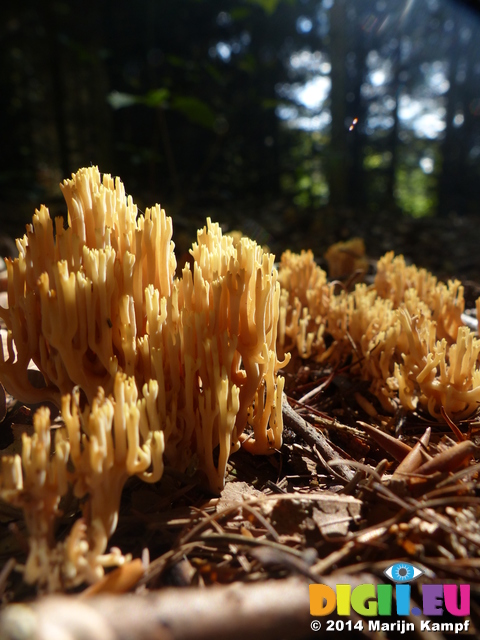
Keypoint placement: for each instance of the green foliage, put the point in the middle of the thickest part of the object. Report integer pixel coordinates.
(155, 98)
(373, 160)
(306, 181)
(240, 13)
(311, 189)
(214, 73)
(119, 100)
(269, 6)
(248, 64)
(195, 110)
(415, 192)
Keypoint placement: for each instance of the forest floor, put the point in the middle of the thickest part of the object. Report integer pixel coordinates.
(326, 508)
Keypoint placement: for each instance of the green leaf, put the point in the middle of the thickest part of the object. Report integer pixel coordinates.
(156, 98)
(268, 6)
(240, 13)
(118, 100)
(195, 111)
(214, 73)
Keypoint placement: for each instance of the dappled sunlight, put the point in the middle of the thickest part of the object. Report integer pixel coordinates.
(399, 78)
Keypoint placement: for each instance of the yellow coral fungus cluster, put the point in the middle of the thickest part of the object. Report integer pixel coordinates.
(172, 368)
(77, 298)
(404, 334)
(93, 455)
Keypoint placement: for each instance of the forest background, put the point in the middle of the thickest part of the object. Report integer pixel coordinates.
(301, 122)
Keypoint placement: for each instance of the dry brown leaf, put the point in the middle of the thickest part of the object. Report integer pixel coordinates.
(334, 516)
(235, 493)
(331, 513)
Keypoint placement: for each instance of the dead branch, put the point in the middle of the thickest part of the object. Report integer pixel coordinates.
(260, 610)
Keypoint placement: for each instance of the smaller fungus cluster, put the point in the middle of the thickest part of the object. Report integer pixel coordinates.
(404, 334)
(90, 457)
(304, 302)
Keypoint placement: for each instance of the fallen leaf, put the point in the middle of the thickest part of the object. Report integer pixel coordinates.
(235, 493)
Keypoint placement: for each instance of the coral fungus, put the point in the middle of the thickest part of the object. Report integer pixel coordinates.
(404, 334)
(173, 369)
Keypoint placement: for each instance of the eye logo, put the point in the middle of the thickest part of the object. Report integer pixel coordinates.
(402, 572)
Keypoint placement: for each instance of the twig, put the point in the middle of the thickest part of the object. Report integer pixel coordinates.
(329, 467)
(424, 510)
(238, 539)
(5, 572)
(269, 557)
(320, 387)
(263, 521)
(313, 437)
(325, 564)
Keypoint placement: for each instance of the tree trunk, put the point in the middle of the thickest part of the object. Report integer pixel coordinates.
(338, 156)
